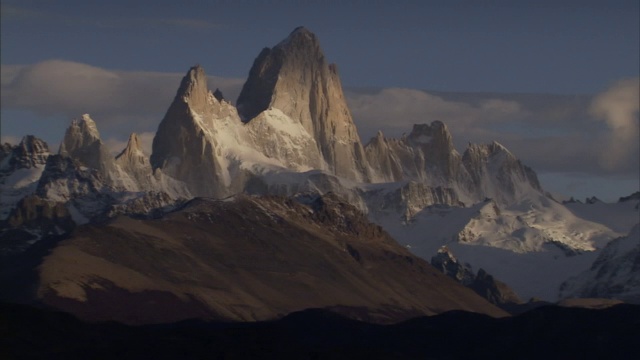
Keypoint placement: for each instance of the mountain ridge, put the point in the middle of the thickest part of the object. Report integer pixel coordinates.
(292, 135)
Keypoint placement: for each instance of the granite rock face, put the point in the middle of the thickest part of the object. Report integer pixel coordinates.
(482, 283)
(496, 172)
(493, 290)
(427, 156)
(29, 153)
(82, 143)
(295, 78)
(183, 147)
(450, 266)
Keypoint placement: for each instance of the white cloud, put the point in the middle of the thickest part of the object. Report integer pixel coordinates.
(395, 110)
(548, 132)
(618, 107)
(120, 102)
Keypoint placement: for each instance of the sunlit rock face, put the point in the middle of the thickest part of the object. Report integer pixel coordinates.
(183, 147)
(82, 143)
(295, 78)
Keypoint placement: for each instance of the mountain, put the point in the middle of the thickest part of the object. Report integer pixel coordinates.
(292, 135)
(532, 245)
(615, 274)
(82, 143)
(245, 258)
(20, 168)
(295, 78)
(619, 216)
(482, 283)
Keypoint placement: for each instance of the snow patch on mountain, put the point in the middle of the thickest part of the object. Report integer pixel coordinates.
(533, 245)
(620, 216)
(615, 274)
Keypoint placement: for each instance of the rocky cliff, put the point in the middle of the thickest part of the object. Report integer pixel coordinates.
(295, 78)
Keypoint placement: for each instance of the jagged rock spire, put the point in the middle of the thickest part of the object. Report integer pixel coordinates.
(182, 146)
(82, 143)
(133, 150)
(218, 95)
(30, 152)
(295, 78)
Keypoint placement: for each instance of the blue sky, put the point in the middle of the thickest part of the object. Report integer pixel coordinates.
(551, 47)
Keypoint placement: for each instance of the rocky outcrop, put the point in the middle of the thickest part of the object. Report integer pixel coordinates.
(483, 284)
(425, 155)
(85, 190)
(384, 158)
(295, 78)
(450, 266)
(408, 199)
(495, 291)
(82, 143)
(20, 169)
(633, 197)
(135, 164)
(183, 147)
(31, 220)
(29, 153)
(441, 160)
(497, 173)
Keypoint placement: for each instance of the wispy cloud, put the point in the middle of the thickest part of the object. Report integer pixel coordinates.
(619, 108)
(549, 133)
(119, 101)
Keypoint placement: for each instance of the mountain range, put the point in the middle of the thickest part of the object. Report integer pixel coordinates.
(274, 205)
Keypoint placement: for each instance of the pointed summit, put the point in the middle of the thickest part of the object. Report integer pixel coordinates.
(218, 95)
(82, 143)
(435, 142)
(82, 132)
(133, 149)
(193, 88)
(295, 78)
(31, 152)
(183, 146)
(300, 39)
(493, 163)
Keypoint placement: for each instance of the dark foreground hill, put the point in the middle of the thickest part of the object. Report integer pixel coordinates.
(548, 332)
(247, 258)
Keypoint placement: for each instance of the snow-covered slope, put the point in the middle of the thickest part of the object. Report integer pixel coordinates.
(615, 274)
(532, 245)
(21, 167)
(620, 216)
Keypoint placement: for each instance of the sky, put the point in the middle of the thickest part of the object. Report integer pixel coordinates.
(554, 81)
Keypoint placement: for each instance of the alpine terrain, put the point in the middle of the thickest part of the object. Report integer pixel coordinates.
(273, 205)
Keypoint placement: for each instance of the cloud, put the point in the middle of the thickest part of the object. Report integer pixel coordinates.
(619, 107)
(551, 133)
(119, 101)
(395, 110)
